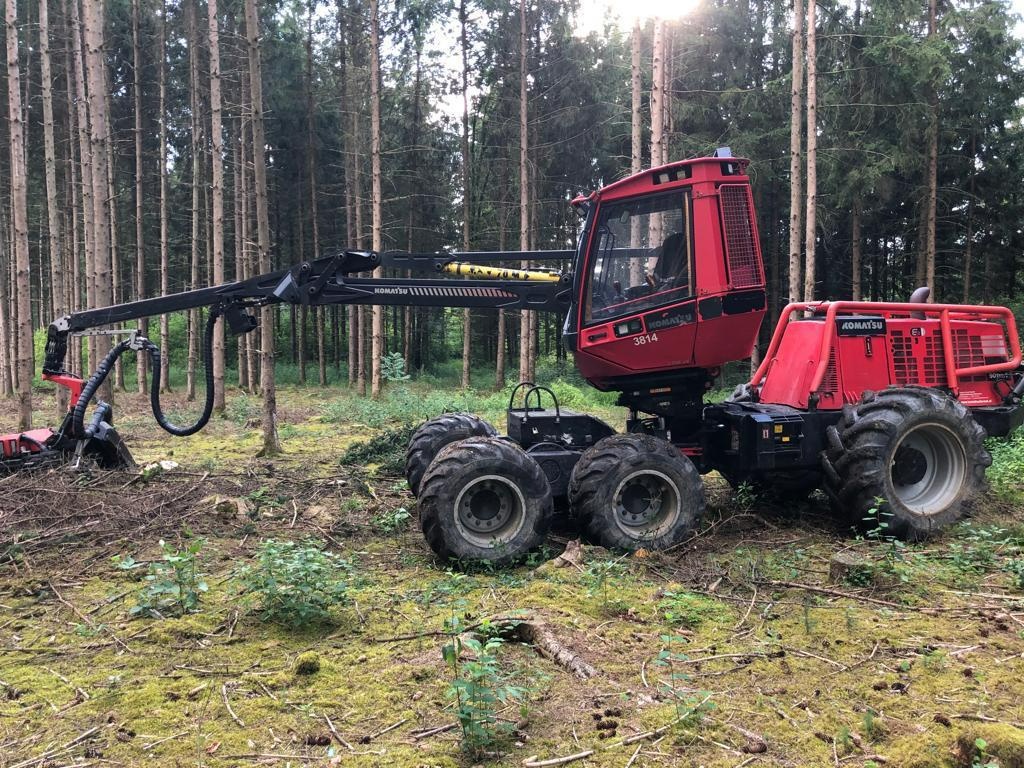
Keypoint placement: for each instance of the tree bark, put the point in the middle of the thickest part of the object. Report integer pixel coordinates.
(19, 223)
(271, 442)
(52, 209)
(969, 244)
(141, 373)
(80, 106)
(377, 339)
(217, 174)
(467, 317)
(165, 267)
(194, 134)
(99, 132)
(811, 229)
(314, 210)
(795, 150)
(525, 324)
(636, 267)
(658, 98)
(855, 248)
(933, 166)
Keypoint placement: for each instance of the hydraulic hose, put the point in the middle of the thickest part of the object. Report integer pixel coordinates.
(89, 390)
(106, 365)
(154, 388)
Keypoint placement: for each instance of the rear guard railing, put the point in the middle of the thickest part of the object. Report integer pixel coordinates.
(945, 313)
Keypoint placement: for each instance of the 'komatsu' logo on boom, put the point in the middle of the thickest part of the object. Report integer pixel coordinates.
(391, 291)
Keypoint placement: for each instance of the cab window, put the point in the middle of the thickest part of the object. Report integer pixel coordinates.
(642, 256)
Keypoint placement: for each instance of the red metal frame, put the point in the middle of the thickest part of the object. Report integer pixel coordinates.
(73, 383)
(944, 312)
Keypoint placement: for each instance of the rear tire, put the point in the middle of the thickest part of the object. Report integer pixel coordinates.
(918, 450)
(435, 434)
(636, 491)
(484, 498)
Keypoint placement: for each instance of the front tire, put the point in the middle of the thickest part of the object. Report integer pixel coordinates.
(633, 491)
(914, 454)
(433, 435)
(484, 498)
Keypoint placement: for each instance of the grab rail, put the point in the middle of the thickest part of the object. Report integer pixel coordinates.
(945, 313)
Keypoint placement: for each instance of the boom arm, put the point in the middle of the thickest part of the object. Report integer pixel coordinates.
(326, 281)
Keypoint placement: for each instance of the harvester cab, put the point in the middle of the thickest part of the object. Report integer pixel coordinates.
(669, 285)
(884, 407)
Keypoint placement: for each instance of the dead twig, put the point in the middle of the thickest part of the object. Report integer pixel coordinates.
(89, 622)
(337, 736)
(533, 762)
(227, 705)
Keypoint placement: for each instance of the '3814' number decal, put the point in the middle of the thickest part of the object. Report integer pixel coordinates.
(647, 338)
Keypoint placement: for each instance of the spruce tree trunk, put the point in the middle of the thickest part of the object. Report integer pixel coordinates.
(165, 271)
(85, 164)
(194, 132)
(377, 348)
(19, 224)
(525, 337)
(52, 210)
(467, 317)
(99, 132)
(314, 210)
(217, 179)
(636, 266)
(141, 372)
(795, 151)
(855, 261)
(811, 229)
(933, 166)
(969, 244)
(271, 442)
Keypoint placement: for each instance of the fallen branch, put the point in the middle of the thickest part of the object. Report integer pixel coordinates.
(543, 639)
(533, 762)
(58, 751)
(434, 731)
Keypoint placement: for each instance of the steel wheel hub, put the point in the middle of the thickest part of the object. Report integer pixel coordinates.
(490, 511)
(929, 468)
(646, 504)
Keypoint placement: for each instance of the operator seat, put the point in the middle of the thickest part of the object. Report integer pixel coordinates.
(672, 267)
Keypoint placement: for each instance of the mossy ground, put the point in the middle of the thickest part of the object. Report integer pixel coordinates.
(909, 669)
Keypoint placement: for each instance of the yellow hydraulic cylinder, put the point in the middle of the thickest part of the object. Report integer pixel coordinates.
(465, 269)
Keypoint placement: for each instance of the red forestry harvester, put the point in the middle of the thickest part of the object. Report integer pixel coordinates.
(868, 401)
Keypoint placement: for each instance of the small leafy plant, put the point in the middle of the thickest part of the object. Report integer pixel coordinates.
(392, 520)
(296, 584)
(691, 705)
(479, 687)
(173, 584)
(598, 578)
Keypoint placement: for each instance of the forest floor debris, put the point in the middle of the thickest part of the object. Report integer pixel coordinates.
(737, 649)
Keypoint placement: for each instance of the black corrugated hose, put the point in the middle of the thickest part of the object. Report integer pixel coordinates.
(107, 364)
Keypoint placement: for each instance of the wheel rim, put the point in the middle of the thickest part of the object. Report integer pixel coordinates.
(928, 468)
(490, 511)
(646, 504)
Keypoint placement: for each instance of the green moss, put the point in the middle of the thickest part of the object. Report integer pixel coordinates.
(307, 663)
(1002, 741)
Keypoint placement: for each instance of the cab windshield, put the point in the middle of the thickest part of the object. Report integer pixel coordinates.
(642, 256)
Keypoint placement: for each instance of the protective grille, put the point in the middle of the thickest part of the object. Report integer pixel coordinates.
(830, 383)
(740, 243)
(934, 363)
(903, 362)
